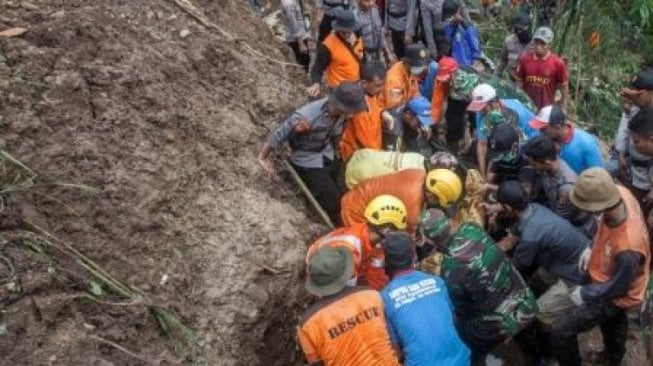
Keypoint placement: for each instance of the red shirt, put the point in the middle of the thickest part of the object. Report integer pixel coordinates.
(541, 77)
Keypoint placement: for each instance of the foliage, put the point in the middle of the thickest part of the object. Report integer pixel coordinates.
(604, 43)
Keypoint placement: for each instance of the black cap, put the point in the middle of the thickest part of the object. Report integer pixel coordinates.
(398, 251)
(503, 137)
(416, 55)
(522, 19)
(643, 80)
(449, 9)
(345, 20)
(512, 193)
(349, 97)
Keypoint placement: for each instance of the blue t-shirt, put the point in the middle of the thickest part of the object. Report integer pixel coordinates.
(582, 151)
(525, 116)
(426, 87)
(419, 314)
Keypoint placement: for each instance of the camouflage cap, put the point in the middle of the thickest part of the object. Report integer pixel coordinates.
(462, 84)
(432, 223)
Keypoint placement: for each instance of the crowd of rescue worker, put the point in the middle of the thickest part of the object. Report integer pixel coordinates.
(404, 102)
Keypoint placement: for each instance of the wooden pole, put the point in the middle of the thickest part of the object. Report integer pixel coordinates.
(308, 194)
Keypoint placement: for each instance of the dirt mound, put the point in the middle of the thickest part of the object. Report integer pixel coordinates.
(165, 117)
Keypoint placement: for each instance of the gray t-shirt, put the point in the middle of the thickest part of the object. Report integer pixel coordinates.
(546, 240)
(371, 28)
(557, 187)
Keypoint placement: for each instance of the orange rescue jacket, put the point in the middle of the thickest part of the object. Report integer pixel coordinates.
(345, 60)
(407, 185)
(368, 259)
(363, 131)
(400, 86)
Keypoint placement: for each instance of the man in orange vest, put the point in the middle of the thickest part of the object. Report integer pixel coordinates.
(402, 81)
(618, 265)
(347, 325)
(363, 131)
(339, 55)
(363, 240)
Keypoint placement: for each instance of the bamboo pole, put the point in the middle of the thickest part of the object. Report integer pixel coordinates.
(308, 194)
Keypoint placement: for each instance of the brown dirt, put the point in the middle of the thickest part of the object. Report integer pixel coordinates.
(109, 94)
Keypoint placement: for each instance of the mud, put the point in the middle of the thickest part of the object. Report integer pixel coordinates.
(165, 116)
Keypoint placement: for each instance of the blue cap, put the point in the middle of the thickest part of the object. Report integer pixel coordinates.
(422, 109)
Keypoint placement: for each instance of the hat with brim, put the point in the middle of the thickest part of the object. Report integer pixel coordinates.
(640, 83)
(446, 68)
(421, 108)
(551, 115)
(345, 21)
(329, 270)
(476, 106)
(595, 191)
(349, 97)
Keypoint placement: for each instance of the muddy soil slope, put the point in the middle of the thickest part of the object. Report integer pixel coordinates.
(164, 115)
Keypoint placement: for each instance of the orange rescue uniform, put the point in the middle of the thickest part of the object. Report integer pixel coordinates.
(609, 241)
(347, 329)
(345, 60)
(407, 185)
(368, 259)
(400, 86)
(363, 131)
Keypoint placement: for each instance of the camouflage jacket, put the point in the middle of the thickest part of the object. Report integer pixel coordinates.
(483, 283)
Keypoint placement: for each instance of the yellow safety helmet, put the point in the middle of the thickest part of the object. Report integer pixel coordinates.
(386, 209)
(445, 185)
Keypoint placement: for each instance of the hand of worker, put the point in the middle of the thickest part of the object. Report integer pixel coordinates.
(492, 208)
(576, 297)
(508, 242)
(313, 90)
(584, 260)
(303, 48)
(267, 166)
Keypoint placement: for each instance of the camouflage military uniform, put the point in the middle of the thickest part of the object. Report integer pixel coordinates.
(491, 299)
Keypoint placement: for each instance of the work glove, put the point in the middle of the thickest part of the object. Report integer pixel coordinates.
(576, 297)
(584, 259)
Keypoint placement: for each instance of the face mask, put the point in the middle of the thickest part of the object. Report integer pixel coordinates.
(351, 282)
(494, 117)
(415, 71)
(524, 36)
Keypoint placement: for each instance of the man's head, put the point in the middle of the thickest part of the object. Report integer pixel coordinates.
(504, 142)
(512, 196)
(442, 43)
(385, 213)
(434, 228)
(329, 270)
(552, 121)
(447, 66)
(347, 100)
(417, 114)
(541, 153)
(640, 89)
(345, 23)
(372, 77)
(484, 99)
(398, 251)
(366, 4)
(595, 191)
(451, 11)
(443, 188)
(521, 25)
(542, 39)
(416, 59)
(641, 131)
